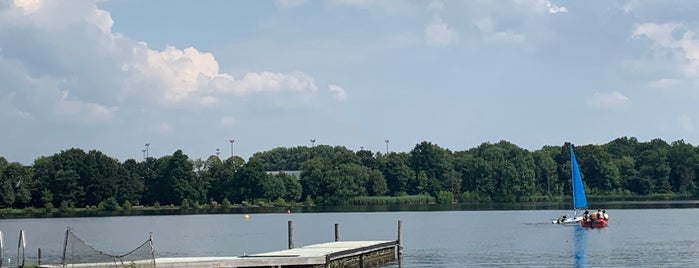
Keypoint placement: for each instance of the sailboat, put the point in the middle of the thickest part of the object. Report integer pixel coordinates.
(579, 198)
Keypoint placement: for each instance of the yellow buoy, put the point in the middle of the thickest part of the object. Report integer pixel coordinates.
(247, 216)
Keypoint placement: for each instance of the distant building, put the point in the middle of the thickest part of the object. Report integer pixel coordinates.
(295, 173)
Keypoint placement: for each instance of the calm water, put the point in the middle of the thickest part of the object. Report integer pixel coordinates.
(520, 238)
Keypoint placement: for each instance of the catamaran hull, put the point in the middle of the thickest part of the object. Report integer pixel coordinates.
(594, 224)
(575, 220)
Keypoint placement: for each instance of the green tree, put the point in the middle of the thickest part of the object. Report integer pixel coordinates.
(247, 182)
(684, 162)
(437, 164)
(545, 171)
(222, 178)
(376, 183)
(16, 183)
(292, 187)
(272, 187)
(396, 172)
(131, 186)
(180, 171)
(653, 167)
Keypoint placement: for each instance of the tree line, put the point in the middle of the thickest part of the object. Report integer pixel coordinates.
(332, 175)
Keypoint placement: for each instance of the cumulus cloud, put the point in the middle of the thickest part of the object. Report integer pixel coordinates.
(439, 34)
(113, 70)
(435, 5)
(664, 83)
(28, 6)
(507, 36)
(610, 101)
(487, 27)
(543, 6)
(628, 7)
(390, 6)
(666, 37)
(88, 112)
(8, 108)
(338, 92)
(553, 9)
(685, 122)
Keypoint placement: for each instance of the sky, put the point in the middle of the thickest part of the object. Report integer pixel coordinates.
(195, 75)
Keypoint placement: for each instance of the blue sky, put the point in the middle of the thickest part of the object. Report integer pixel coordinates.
(192, 75)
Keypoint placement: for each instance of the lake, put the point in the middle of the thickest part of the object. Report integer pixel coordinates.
(483, 238)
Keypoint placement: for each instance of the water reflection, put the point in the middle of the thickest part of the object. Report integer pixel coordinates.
(579, 246)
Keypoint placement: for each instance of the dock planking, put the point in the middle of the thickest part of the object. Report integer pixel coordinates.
(330, 254)
(338, 254)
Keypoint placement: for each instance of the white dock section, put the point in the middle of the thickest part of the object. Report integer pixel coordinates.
(317, 255)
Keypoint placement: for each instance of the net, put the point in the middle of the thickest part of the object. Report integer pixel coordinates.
(77, 253)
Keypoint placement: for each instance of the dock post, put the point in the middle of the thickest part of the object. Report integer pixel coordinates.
(400, 245)
(337, 232)
(39, 257)
(291, 234)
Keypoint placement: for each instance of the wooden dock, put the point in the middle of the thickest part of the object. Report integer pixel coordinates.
(338, 254)
(331, 254)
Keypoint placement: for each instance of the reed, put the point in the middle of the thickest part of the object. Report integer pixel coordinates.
(391, 200)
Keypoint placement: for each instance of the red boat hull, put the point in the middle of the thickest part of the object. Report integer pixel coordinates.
(600, 223)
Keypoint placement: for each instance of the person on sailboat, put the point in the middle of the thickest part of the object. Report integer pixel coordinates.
(562, 218)
(586, 215)
(604, 214)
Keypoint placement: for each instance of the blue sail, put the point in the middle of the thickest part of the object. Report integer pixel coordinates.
(579, 198)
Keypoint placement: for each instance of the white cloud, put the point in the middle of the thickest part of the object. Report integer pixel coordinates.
(664, 83)
(28, 6)
(628, 7)
(542, 6)
(664, 37)
(8, 108)
(102, 19)
(610, 101)
(486, 26)
(507, 36)
(390, 6)
(439, 34)
(87, 112)
(125, 71)
(189, 74)
(338, 92)
(435, 5)
(685, 122)
(553, 9)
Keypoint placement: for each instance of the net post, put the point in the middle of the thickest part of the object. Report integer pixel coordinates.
(291, 234)
(2, 247)
(21, 245)
(337, 232)
(152, 250)
(65, 245)
(398, 240)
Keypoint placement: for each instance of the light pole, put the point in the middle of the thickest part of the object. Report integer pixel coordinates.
(218, 151)
(313, 142)
(147, 144)
(386, 146)
(231, 141)
(144, 154)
